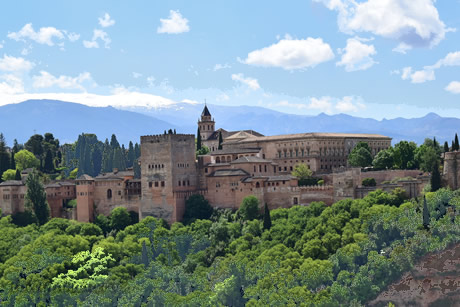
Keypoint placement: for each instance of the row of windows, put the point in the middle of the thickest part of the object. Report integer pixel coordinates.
(182, 165)
(85, 193)
(15, 196)
(183, 183)
(203, 127)
(105, 183)
(260, 168)
(156, 166)
(293, 153)
(156, 184)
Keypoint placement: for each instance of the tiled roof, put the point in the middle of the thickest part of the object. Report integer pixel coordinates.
(11, 183)
(85, 177)
(314, 135)
(250, 159)
(228, 172)
(234, 150)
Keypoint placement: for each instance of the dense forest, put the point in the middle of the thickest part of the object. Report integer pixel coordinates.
(342, 255)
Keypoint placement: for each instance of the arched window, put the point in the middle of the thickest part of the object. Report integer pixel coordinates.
(109, 193)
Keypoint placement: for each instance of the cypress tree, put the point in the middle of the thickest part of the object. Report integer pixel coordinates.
(13, 162)
(198, 139)
(36, 199)
(435, 177)
(59, 158)
(446, 147)
(107, 157)
(452, 148)
(96, 157)
(426, 215)
(267, 218)
(131, 155)
(5, 162)
(456, 142)
(137, 151)
(435, 143)
(114, 142)
(145, 255)
(220, 140)
(48, 167)
(18, 175)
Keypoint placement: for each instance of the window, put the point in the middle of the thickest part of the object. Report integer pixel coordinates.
(119, 193)
(109, 193)
(150, 184)
(162, 183)
(156, 184)
(295, 201)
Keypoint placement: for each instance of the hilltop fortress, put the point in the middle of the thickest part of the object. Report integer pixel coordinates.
(248, 163)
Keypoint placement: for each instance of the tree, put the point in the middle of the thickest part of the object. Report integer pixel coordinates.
(35, 145)
(446, 147)
(17, 176)
(197, 208)
(369, 182)
(203, 151)
(36, 198)
(49, 165)
(9, 174)
(425, 157)
(198, 140)
(267, 218)
(384, 159)
(249, 208)
(5, 162)
(302, 172)
(119, 218)
(426, 215)
(435, 177)
(360, 156)
(26, 159)
(131, 155)
(457, 146)
(404, 155)
(220, 140)
(13, 162)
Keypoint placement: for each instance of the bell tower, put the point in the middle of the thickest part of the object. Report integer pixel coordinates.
(206, 124)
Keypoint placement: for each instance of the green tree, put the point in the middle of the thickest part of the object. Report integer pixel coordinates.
(73, 173)
(404, 155)
(49, 165)
(36, 198)
(220, 140)
(456, 144)
(369, 182)
(131, 155)
(249, 208)
(4, 156)
(26, 159)
(435, 177)
(446, 147)
(198, 140)
(203, 151)
(384, 159)
(35, 145)
(9, 174)
(13, 162)
(197, 208)
(426, 215)
(96, 159)
(17, 175)
(360, 156)
(426, 157)
(119, 218)
(302, 172)
(267, 218)
(107, 157)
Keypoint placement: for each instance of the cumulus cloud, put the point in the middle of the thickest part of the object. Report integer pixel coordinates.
(44, 35)
(453, 87)
(356, 55)
(414, 23)
(174, 24)
(98, 35)
(46, 80)
(221, 66)
(419, 76)
(11, 85)
(13, 64)
(136, 75)
(292, 54)
(250, 82)
(451, 59)
(331, 105)
(106, 21)
(73, 36)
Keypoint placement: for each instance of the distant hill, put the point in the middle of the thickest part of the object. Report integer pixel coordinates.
(269, 122)
(67, 120)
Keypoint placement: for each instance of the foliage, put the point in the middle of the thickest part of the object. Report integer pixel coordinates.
(302, 171)
(404, 155)
(36, 198)
(267, 218)
(435, 180)
(360, 156)
(25, 159)
(197, 207)
(119, 218)
(384, 159)
(369, 182)
(249, 208)
(9, 174)
(204, 150)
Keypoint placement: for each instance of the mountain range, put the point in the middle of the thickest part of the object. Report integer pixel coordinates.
(67, 120)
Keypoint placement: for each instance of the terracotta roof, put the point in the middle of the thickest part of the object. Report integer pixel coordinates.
(250, 159)
(85, 177)
(11, 183)
(313, 135)
(59, 184)
(269, 178)
(228, 172)
(234, 150)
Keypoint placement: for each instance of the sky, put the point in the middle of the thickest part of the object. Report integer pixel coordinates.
(368, 58)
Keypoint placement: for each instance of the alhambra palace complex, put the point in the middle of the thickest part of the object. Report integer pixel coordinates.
(248, 164)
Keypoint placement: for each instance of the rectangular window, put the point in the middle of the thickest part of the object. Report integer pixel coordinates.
(156, 184)
(150, 184)
(162, 183)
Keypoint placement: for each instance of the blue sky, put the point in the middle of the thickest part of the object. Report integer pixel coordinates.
(374, 58)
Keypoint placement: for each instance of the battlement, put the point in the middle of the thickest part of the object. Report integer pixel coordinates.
(164, 138)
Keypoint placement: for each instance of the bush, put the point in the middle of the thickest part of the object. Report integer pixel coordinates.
(249, 208)
(24, 218)
(197, 208)
(369, 182)
(119, 218)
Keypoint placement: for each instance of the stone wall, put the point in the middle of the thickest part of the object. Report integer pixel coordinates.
(451, 174)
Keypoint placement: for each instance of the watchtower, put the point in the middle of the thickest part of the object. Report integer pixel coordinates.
(206, 124)
(168, 174)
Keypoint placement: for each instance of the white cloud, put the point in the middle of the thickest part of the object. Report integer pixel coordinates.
(106, 21)
(451, 59)
(11, 85)
(13, 64)
(1, 45)
(73, 36)
(419, 76)
(136, 75)
(221, 66)
(222, 97)
(174, 24)
(331, 105)
(151, 81)
(292, 54)
(98, 35)
(44, 35)
(356, 55)
(453, 87)
(45, 80)
(189, 101)
(402, 48)
(250, 82)
(415, 23)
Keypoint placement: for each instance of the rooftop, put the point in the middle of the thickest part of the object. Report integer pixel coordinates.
(12, 183)
(228, 172)
(250, 159)
(234, 150)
